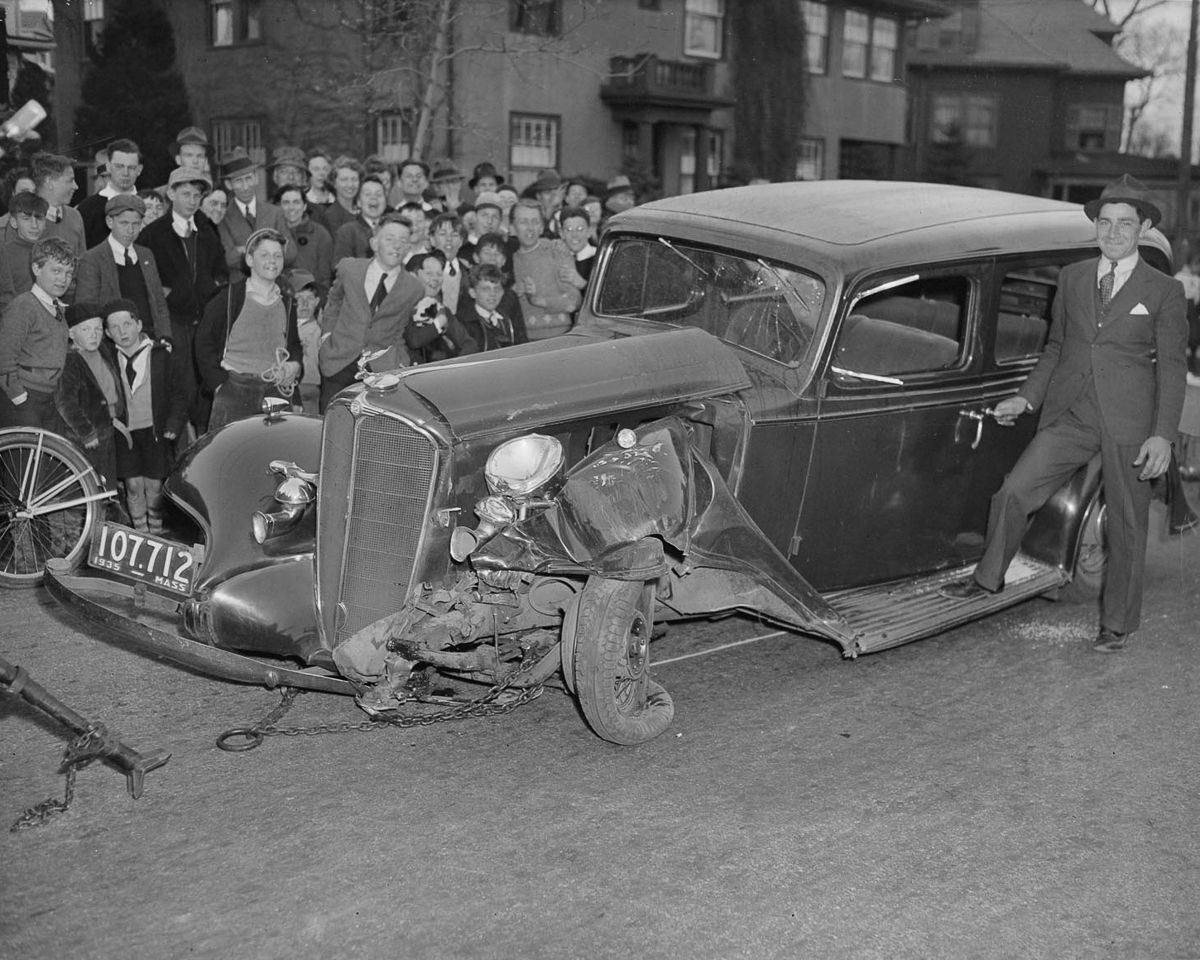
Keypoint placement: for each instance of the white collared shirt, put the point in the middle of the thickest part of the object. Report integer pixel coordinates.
(248, 209)
(1124, 268)
(374, 272)
(119, 252)
(182, 225)
(46, 300)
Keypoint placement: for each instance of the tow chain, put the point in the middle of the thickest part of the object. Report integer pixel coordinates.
(483, 706)
(88, 746)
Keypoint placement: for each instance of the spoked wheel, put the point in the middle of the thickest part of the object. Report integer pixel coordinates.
(1092, 559)
(50, 499)
(612, 662)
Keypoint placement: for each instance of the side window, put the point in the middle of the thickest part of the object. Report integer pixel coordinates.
(918, 326)
(1023, 320)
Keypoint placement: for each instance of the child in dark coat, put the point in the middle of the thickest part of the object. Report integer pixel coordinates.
(88, 396)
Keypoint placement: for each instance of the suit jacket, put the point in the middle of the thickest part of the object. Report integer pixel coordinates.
(1135, 353)
(96, 279)
(351, 328)
(235, 231)
(191, 287)
(353, 239)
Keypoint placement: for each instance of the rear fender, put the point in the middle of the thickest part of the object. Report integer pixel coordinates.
(1055, 530)
(659, 507)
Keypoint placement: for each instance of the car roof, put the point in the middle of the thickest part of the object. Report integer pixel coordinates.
(847, 212)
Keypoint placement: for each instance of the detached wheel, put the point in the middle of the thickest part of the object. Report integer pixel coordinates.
(1091, 562)
(50, 499)
(612, 662)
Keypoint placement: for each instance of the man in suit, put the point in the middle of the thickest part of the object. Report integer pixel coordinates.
(124, 166)
(119, 269)
(371, 303)
(246, 212)
(1111, 381)
(191, 267)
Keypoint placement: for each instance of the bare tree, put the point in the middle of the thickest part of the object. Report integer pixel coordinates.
(1121, 12)
(1161, 49)
(402, 54)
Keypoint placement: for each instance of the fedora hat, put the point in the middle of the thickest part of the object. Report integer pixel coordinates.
(546, 180)
(289, 157)
(444, 171)
(618, 184)
(1126, 189)
(484, 170)
(237, 161)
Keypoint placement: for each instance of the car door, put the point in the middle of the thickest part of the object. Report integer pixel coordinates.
(891, 488)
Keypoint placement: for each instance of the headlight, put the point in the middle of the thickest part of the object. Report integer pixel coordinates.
(519, 467)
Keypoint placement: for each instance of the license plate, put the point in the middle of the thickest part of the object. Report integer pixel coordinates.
(143, 558)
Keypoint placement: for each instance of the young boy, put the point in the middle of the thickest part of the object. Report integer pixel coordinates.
(88, 396)
(156, 404)
(27, 214)
(33, 341)
(493, 248)
(434, 333)
(308, 316)
(480, 312)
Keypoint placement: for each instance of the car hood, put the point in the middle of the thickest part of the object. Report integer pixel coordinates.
(576, 375)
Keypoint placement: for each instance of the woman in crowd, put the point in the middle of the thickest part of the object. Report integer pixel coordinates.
(248, 344)
(214, 205)
(319, 168)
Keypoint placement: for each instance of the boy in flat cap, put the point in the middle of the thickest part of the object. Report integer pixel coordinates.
(119, 268)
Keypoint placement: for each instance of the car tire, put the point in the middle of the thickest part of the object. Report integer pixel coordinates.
(612, 662)
(1091, 559)
(44, 472)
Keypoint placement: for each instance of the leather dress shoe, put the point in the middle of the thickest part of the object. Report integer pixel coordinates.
(969, 589)
(1109, 641)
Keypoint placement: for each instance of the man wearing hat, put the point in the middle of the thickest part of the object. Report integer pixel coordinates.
(618, 195)
(1110, 381)
(191, 149)
(124, 167)
(448, 182)
(289, 166)
(117, 268)
(191, 267)
(246, 212)
(484, 178)
(548, 190)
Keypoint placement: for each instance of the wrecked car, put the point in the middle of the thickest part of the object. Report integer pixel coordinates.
(776, 401)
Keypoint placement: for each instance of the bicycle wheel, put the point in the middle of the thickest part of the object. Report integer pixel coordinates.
(50, 499)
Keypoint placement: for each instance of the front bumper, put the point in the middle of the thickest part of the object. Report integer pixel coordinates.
(116, 606)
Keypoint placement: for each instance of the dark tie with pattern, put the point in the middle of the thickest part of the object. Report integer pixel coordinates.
(1106, 284)
(380, 294)
(249, 217)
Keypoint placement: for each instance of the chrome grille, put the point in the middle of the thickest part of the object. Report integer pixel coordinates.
(376, 483)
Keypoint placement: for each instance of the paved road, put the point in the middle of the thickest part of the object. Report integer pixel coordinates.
(999, 791)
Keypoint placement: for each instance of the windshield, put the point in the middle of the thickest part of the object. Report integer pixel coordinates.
(762, 307)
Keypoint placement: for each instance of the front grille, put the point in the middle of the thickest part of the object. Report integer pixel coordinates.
(376, 485)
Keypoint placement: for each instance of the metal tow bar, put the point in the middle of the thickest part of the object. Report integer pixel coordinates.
(93, 740)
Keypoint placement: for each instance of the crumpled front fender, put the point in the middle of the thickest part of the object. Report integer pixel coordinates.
(622, 507)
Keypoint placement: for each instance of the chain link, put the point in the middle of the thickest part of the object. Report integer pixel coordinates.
(483, 706)
(92, 743)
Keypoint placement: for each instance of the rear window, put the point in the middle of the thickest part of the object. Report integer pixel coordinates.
(766, 308)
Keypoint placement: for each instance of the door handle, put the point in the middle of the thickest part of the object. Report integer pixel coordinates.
(978, 416)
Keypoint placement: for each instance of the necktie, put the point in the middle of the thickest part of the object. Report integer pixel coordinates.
(59, 312)
(380, 294)
(1106, 284)
(249, 217)
(130, 370)
(453, 271)
(124, 257)
(494, 318)
(54, 214)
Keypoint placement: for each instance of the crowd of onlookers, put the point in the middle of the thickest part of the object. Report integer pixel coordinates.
(138, 319)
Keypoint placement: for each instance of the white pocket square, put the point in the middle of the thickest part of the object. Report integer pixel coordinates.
(1140, 311)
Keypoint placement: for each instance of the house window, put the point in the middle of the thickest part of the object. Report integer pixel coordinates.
(687, 159)
(704, 28)
(1094, 126)
(816, 35)
(856, 37)
(539, 18)
(392, 137)
(885, 36)
(232, 22)
(93, 24)
(810, 163)
(227, 134)
(971, 119)
(532, 146)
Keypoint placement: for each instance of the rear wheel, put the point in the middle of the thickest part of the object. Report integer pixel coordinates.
(612, 662)
(1091, 562)
(50, 499)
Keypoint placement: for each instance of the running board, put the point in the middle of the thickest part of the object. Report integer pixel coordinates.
(887, 615)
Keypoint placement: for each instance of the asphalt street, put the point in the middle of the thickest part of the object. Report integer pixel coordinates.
(997, 791)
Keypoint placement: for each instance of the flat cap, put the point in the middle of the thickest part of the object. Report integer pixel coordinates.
(123, 202)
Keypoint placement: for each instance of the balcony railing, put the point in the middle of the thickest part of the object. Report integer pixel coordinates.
(647, 75)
